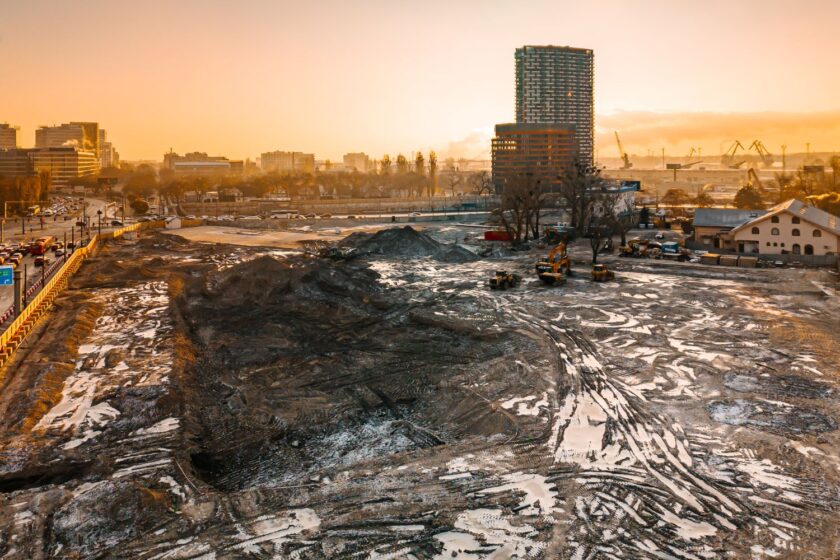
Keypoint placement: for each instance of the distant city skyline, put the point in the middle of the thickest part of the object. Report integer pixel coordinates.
(331, 78)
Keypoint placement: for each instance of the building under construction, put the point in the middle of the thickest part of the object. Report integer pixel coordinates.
(543, 150)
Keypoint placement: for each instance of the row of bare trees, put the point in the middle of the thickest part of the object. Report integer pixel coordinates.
(594, 210)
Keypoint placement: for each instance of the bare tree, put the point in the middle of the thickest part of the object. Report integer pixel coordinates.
(481, 183)
(603, 220)
(385, 164)
(454, 179)
(433, 184)
(579, 189)
(402, 164)
(521, 206)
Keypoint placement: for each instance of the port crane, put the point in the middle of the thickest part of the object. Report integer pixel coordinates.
(766, 157)
(728, 158)
(627, 164)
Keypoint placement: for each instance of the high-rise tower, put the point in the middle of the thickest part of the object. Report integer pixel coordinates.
(554, 85)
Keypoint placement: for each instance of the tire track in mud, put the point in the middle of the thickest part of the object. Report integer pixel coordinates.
(634, 465)
(641, 468)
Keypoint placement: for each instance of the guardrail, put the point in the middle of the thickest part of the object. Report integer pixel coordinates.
(15, 333)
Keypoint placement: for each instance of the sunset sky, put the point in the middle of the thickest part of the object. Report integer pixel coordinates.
(239, 78)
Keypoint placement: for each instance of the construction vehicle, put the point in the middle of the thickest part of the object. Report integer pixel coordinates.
(766, 157)
(672, 250)
(562, 232)
(600, 273)
(504, 280)
(636, 248)
(622, 153)
(728, 158)
(551, 270)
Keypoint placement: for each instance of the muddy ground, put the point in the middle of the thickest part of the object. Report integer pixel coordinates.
(213, 401)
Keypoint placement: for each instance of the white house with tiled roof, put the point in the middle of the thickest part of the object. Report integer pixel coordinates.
(791, 227)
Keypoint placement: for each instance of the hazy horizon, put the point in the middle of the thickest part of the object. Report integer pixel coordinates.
(389, 77)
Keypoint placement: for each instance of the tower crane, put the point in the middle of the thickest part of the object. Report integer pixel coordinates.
(627, 164)
(766, 157)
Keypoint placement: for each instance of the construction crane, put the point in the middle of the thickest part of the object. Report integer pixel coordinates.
(728, 158)
(622, 153)
(766, 157)
(753, 180)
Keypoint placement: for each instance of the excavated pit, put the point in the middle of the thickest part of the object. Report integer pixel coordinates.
(309, 366)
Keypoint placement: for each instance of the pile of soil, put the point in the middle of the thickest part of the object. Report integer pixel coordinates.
(301, 357)
(407, 242)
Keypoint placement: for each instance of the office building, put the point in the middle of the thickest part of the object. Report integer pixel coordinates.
(81, 135)
(8, 137)
(545, 151)
(108, 156)
(357, 162)
(65, 164)
(198, 163)
(555, 85)
(17, 162)
(287, 162)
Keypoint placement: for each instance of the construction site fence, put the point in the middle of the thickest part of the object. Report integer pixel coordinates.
(16, 332)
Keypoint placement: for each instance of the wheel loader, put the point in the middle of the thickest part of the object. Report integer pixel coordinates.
(504, 280)
(600, 273)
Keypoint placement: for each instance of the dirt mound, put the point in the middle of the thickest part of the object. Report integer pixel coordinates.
(309, 364)
(407, 242)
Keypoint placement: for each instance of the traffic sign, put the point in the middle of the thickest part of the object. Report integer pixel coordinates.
(7, 275)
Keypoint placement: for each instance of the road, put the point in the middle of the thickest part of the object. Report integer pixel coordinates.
(57, 228)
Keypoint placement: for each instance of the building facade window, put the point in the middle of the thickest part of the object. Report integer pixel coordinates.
(774, 231)
(774, 219)
(809, 249)
(817, 233)
(794, 220)
(795, 232)
(755, 231)
(796, 249)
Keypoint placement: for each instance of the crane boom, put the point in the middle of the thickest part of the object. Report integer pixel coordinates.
(622, 153)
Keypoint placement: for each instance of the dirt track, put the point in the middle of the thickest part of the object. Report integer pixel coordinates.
(383, 407)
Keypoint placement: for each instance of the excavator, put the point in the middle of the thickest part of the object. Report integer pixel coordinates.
(551, 270)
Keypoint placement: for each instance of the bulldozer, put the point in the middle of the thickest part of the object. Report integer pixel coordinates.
(600, 273)
(504, 280)
(551, 270)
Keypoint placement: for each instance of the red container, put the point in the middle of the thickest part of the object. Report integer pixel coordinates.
(496, 235)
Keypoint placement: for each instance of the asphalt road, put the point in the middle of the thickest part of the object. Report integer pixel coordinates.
(55, 226)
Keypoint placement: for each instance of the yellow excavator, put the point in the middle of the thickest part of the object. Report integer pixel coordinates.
(551, 270)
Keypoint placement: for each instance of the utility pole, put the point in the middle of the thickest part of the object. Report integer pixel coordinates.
(784, 160)
(663, 158)
(18, 293)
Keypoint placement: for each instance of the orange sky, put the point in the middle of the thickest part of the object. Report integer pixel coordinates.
(239, 78)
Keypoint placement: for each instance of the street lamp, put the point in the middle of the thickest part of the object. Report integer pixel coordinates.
(99, 214)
